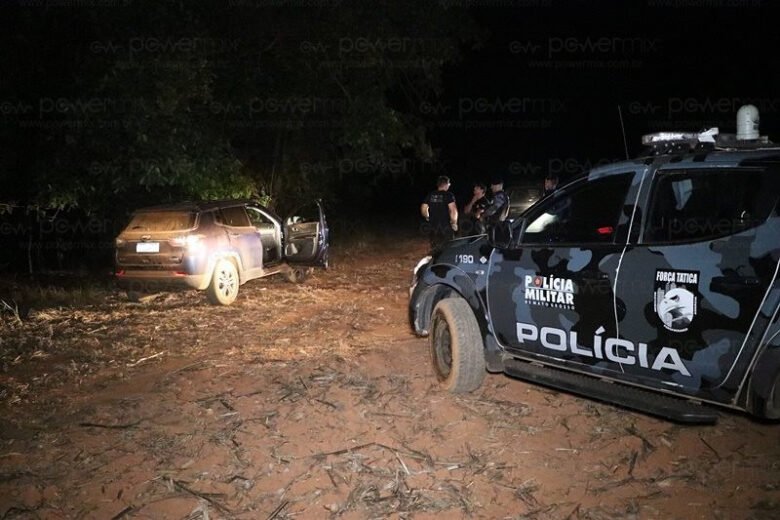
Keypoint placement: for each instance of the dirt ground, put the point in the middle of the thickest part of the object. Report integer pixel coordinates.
(317, 401)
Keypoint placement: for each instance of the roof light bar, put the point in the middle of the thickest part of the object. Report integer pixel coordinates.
(707, 136)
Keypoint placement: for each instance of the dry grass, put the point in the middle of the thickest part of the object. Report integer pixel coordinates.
(314, 401)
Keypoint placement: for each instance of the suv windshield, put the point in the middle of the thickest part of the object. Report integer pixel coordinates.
(162, 221)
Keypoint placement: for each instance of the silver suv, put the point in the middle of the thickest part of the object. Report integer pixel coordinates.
(217, 246)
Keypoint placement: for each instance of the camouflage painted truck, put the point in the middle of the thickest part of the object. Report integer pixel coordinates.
(651, 284)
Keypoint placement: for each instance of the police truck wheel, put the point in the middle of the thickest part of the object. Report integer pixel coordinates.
(457, 350)
(223, 288)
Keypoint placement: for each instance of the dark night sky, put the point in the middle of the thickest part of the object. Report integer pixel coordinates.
(668, 68)
(540, 95)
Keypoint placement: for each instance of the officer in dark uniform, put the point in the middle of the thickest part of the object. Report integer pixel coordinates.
(474, 209)
(440, 211)
(550, 184)
(499, 207)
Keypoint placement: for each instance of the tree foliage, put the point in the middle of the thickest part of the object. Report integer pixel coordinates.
(124, 106)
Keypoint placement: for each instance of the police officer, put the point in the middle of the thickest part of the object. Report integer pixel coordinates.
(475, 207)
(499, 207)
(440, 211)
(550, 184)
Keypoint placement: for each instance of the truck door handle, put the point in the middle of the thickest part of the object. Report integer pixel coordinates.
(234, 235)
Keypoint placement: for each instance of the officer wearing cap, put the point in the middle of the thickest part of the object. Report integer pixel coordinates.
(499, 208)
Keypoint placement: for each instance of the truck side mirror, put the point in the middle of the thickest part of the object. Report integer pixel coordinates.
(506, 234)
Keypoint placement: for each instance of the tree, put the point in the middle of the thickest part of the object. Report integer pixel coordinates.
(171, 102)
(320, 97)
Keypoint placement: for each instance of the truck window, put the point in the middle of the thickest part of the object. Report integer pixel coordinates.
(583, 214)
(695, 205)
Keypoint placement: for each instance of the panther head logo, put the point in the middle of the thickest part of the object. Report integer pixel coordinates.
(676, 308)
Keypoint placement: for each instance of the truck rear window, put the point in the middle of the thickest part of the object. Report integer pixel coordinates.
(162, 221)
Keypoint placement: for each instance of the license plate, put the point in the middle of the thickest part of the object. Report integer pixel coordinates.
(147, 247)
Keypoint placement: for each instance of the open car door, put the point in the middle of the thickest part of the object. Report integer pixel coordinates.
(306, 237)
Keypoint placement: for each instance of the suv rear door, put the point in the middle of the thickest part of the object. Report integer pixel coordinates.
(306, 237)
(269, 228)
(706, 257)
(244, 238)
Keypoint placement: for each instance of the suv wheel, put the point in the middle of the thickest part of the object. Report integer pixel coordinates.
(457, 350)
(298, 274)
(223, 288)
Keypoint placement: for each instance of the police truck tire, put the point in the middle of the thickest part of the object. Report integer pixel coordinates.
(223, 288)
(456, 346)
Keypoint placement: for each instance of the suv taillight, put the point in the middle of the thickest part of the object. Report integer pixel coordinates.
(193, 243)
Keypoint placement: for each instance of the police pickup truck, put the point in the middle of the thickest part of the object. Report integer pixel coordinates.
(650, 283)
